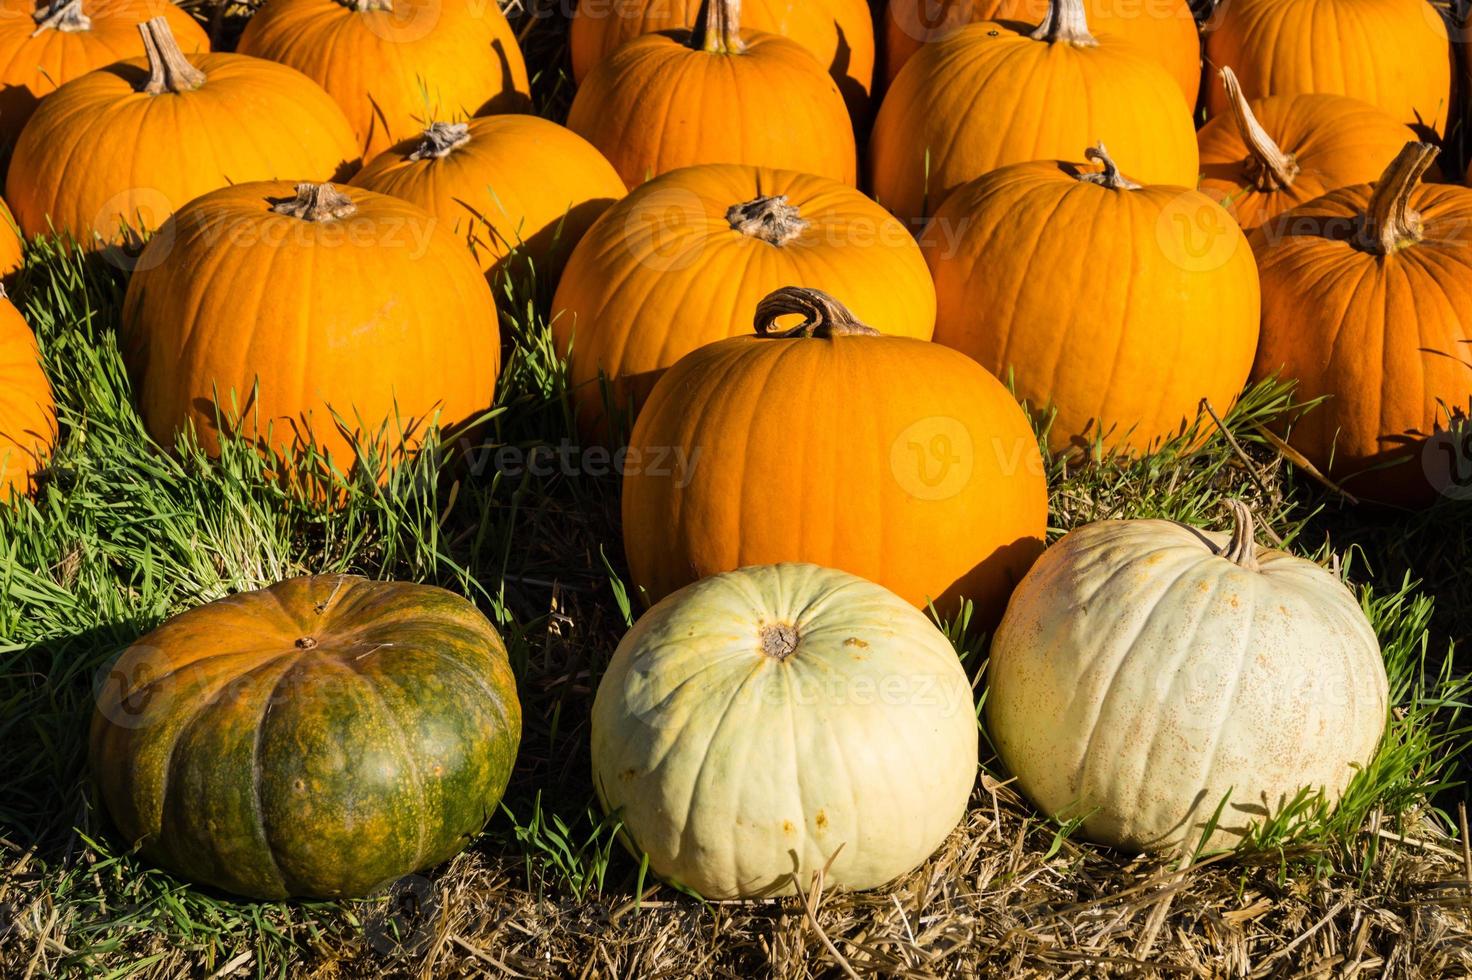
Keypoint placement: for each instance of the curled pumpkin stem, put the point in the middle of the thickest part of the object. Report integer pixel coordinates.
(1390, 223)
(440, 140)
(823, 316)
(168, 69)
(317, 202)
(770, 219)
(718, 27)
(1110, 176)
(1242, 549)
(1066, 22)
(62, 15)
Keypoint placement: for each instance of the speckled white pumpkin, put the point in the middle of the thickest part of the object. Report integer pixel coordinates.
(758, 722)
(1147, 670)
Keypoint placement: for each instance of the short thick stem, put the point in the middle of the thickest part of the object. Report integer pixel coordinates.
(61, 15)
(1066, 23)
(317, 202)
(718, 27)
(1242, 549)
(369, 6)
(770, 219)
(779, 640)
(1390, 223)
(1110, 176)
(1268, 167)
(440, 140)
(168, 69)
(823, 316)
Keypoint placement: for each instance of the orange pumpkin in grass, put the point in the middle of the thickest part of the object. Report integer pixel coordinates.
(1366, 300)
(1269, 155)
(1155, 317)
(44, 46)
(890, 458)
(683, 260)
(309, 315)
(1164, 29)
(27, 411)
(839, 33)
(12, 247)
(993, 94)
(119, 149)
(395, 66)
(717, 94)
(503, 184)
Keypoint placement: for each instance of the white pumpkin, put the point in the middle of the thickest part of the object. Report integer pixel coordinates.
(1147, 670)
(757, 723)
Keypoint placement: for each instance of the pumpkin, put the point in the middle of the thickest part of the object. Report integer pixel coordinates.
(96, 162)
(396, 65)
(763, 725)
(684, 260)
(1163, 313)
(994, 93)
(1148, 673)
(897, 460)
(504, 184)
(27, 410)
(1164, 29)
(716, 94)
(46, 45)
(1269, 155)
(12, 247)
(839, 33)
(313, 316)
(1393, 54)
(318, 738)
(1364, 304)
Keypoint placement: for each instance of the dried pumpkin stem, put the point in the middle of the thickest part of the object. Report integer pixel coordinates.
(718, 28)
(1242, 549)
(440, 140)
(1268, 167)
(770, 219)
(823, 316)
(371, 6)
(168, 69)
(1390, 223)
(1110, 177)
(317, 202)
(62, 15)
(1067, 23)
(779, 640)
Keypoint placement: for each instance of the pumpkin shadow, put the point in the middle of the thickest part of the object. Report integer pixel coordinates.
(508, 101)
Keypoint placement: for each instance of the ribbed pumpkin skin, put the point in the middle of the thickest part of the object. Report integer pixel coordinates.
(1385, 336)
(939, 125)
(99, 152)
(1139, 677)
(32, 67)
(521, 182)
(12, 249)
(733, 768)
(898, 460)
(1390, 53)
(839, 33)
(395, 71)
(1162, 313)
(1336, 140)
(27, 410)
(244, 759)
(663, 273)
(383, 317)
(1163, 29)
(656, 105)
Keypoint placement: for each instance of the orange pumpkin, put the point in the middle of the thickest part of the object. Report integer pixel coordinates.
(47, 45)
(993, 94)
(289, 306)
(1393, 54)
(118, 150)
(395, 66)
(12, 247)
(1269, 155)
(504, 184)
(683, 260)
(1154, 316)
(839, 33)
(27, 411)
(1164, 29)
(715, 95)
(1365, 299)
(890, 458)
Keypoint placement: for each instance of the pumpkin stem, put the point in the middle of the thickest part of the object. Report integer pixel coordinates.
(168, 69)
(1268, 167)
(1390, 223)
(1065, 22)
(718, 27)
(779, 641)
(1110, 177)
(317, 202)
(440, 140)
(370, 6)
(770, 219)
(1242, 549)
(823, 316)
(61, 15)
(307, 643)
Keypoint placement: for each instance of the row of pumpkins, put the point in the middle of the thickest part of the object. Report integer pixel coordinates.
(761, 720)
